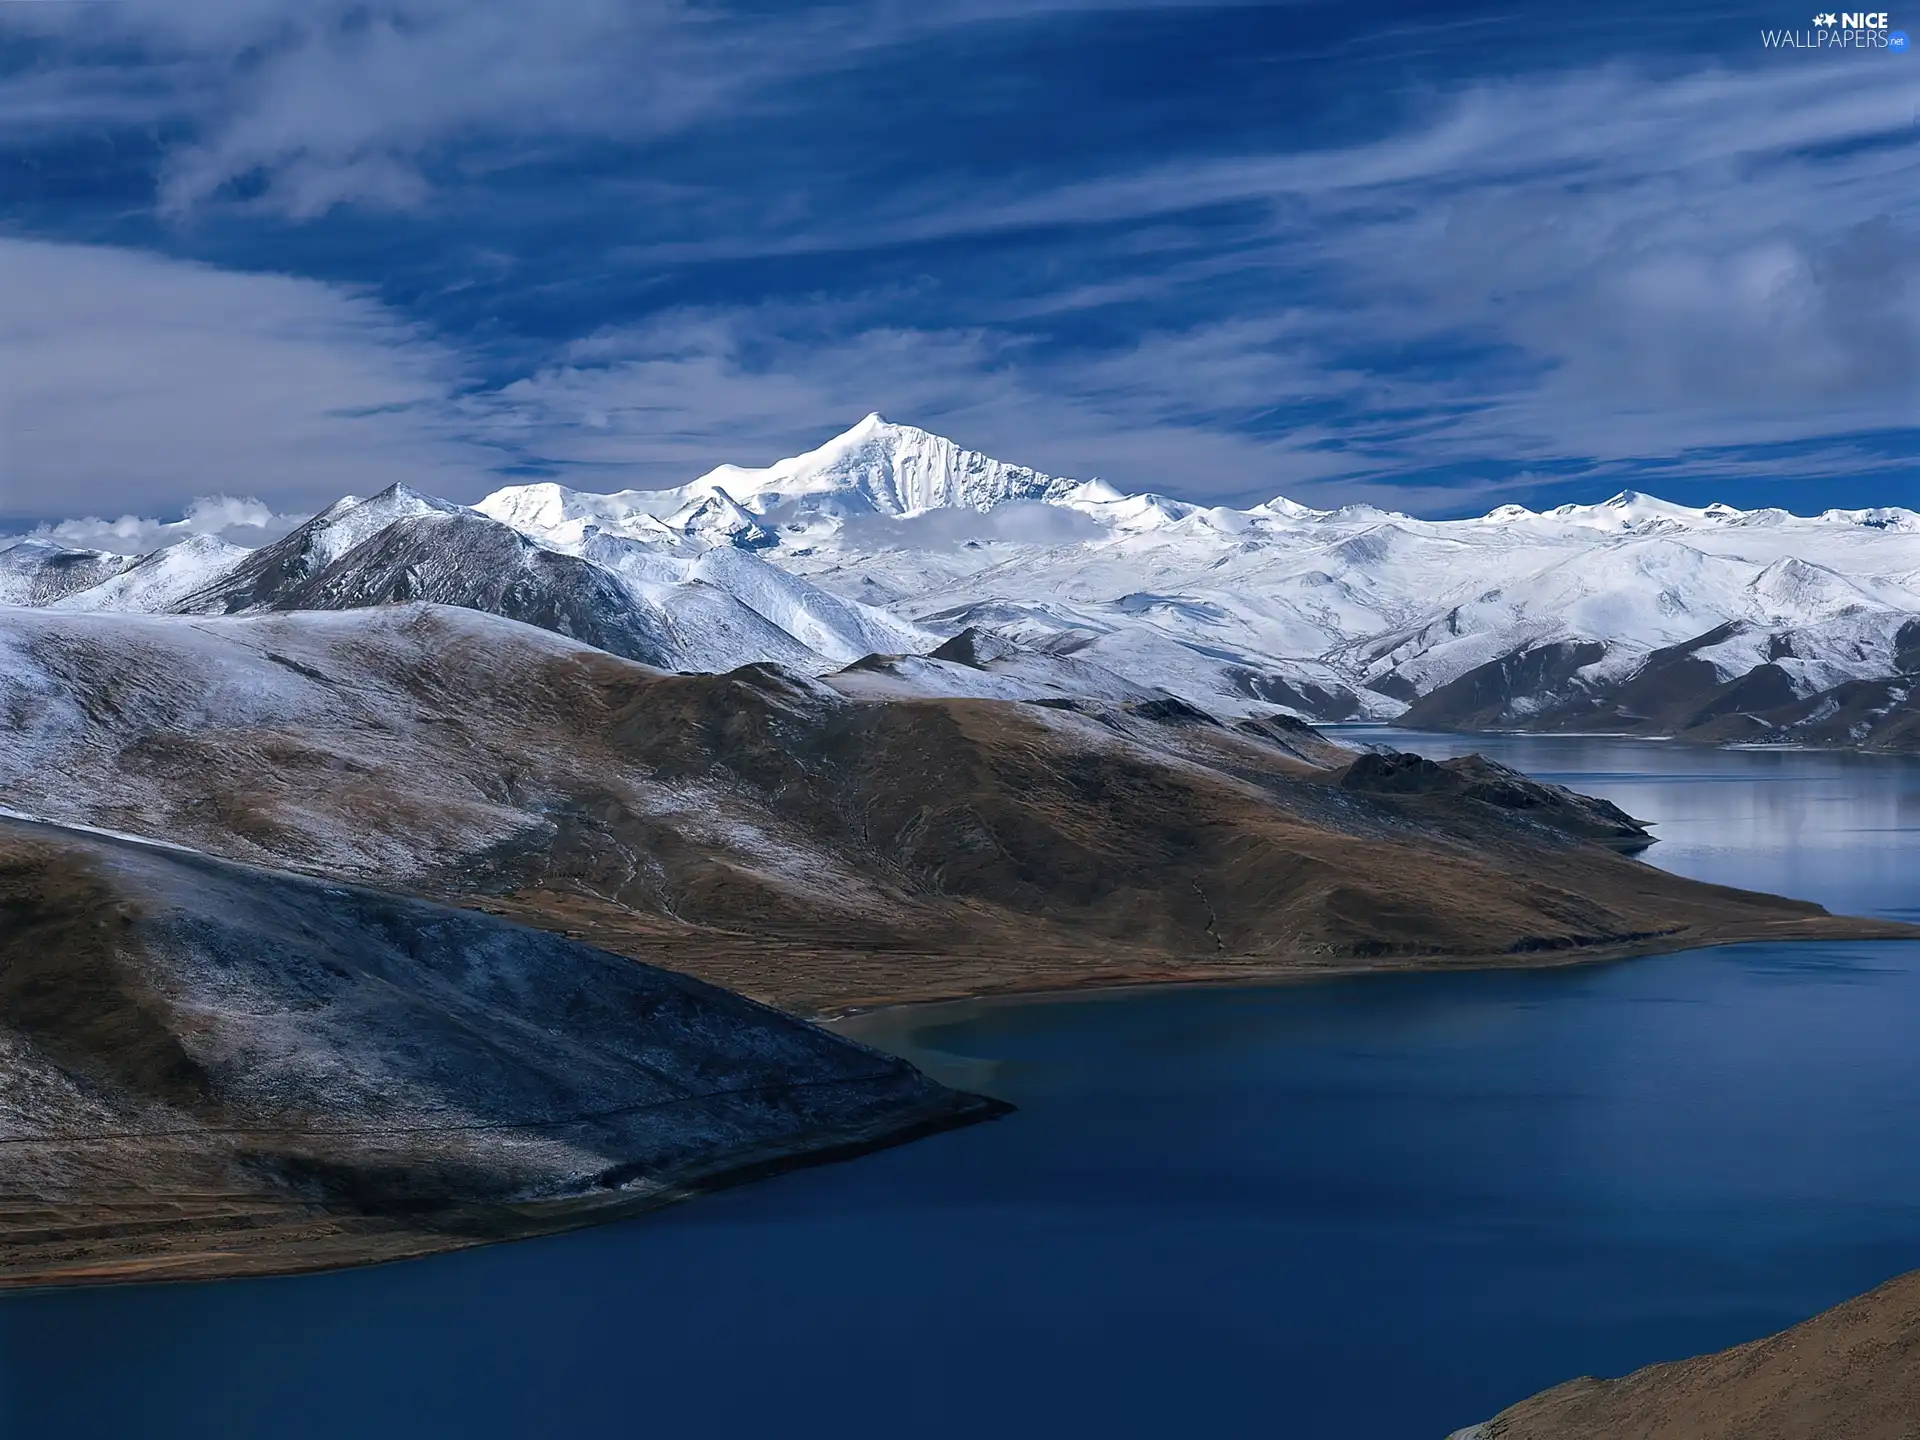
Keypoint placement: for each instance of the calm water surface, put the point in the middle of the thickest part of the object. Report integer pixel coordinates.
(1372, 1208)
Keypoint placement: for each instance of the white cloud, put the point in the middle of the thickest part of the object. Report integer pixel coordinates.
(130, 382)
(1621, 266)
(227, 517)
(1614, 266)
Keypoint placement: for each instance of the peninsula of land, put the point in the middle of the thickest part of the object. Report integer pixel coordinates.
(373, 991)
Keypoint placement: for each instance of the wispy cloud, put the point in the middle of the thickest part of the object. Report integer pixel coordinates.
(1475, 287)
(1620, 263)
(655, 404)
(129, 382)
(322, 102)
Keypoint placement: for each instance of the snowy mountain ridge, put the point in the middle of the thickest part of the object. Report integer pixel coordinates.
(888, 540)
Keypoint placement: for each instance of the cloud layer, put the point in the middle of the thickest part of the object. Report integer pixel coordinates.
(1169, 246)
(237, 520)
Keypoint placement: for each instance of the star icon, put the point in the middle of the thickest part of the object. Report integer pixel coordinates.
(1829, 18)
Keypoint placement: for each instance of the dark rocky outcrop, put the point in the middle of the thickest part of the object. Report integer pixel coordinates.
(1316, 701)
(480, 564)
(976, 647)
(1906, 645)
(1476, 780)
(35, 572)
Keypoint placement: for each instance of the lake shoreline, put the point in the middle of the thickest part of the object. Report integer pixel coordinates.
(1841, 1371)
(314, 1240)
(1338, 728)
(317, 1240)
(1265, 973)
(300, 1240)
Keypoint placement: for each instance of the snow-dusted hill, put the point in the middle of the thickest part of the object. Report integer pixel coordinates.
(680, 600)
(890, 540)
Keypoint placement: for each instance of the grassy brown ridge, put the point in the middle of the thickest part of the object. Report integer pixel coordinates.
(1849, 1373)
(828, 982)
(65, 1241)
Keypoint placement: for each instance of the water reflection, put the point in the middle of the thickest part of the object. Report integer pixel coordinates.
(1840, 829)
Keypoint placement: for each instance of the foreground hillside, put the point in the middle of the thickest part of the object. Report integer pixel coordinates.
(1851, 1371)
(811, 843)
(211, 1069)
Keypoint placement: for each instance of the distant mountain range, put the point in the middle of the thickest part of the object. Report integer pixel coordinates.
(937, 570)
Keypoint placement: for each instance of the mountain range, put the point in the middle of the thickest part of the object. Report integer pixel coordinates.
(940, 571)
(324, 860)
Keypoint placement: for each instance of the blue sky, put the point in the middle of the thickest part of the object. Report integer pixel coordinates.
(1435, 256)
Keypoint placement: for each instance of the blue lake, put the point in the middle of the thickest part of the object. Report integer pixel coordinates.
(1371, 1208)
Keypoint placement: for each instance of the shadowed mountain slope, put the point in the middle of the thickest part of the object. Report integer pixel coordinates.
(213, 1069)
(1682, 691)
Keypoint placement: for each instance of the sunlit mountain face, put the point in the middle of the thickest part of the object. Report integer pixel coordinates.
(907, 565)
(1431, 258)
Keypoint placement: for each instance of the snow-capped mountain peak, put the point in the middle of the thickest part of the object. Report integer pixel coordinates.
(1880, 517)
(719, 519)
(552, 511)
(161, 579)
(1632, 510)
(888, 539)
(1796, 589)
(880, 467)
(1280, 507)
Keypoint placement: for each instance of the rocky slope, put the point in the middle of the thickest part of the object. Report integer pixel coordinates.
(807, 842)
(1852, 1371)
(210, 1069)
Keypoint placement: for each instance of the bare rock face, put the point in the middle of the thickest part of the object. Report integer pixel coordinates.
(1530, 681)
(427, 551)
(203, 1061)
